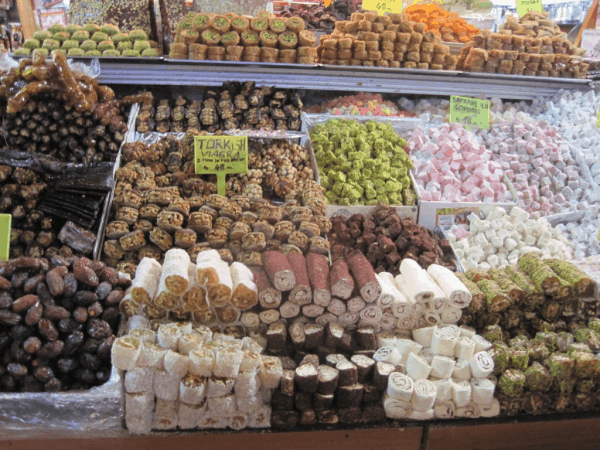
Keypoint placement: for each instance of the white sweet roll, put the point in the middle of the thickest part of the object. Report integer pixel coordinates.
(250, 319)
(470, 411)
(324, 319)
(417, 368)
(406, 323)
(400, 387)
(219, 293)
(427, 355)
(244, 293)
(421, 415)
(481, 345)
(336, 307)
(431, 318)
(482, 365)
(417, 284)
(176, 364)
(466, 331)
(175, 270)
(457, 293)
(137, 322)
(444, 389)
(465, 348)
(192, 389)
(490, 410)
(440, 299)
(406, 347)
(452, 329)
(396, 409)
(348, 318)
(145, 282)
(188, 342)
(227, 362)
(442, 367)
(139, 380)
(269, 316)
(436, 305)
(389, 355)
(451, 315)
(461, 393)
(424, 336)
(251, 361)
(462, 370)
(205, 267)
(386, 340)
(443, 343)
(389, 291)
(371, 313)
(247, 384)
(417, 308)
(387, 321)
(424, 395)
(356, 304)
(444, 410)
(289, 310)
(482, 391)
(165, 415)
(370, 323)
(168, 336)
(125, 352)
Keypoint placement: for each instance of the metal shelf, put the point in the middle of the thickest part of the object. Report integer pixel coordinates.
(336, 78)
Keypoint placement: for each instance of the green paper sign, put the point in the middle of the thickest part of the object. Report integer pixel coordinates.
(221, 155)
(524, 6)
(5, 222)
(470, 111)
(383, 6)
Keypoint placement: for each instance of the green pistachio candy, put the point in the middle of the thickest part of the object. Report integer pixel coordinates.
(106, 45)
(71, 28)
(93, 53)
(80, 36)
(91, 28)
(125, 45)
(22, 51)
(75, 52)
(42, 51)
(41, 35)
(511, 383)
(538, 378)
(121, 37)
(519, 359)
(587, 365)
(109, 29)
(131, 53)
(111, 53)
(56, 27)
(370, 193)
(88, 45)
(68, 44)
(138, 35)
(99, 36)
(561, 366)
(32, 44)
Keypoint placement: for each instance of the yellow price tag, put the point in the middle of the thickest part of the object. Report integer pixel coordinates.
(327, 3)
(383, 6)
(598, 118)
(524, 6)
(221, 155)
(5, 223)
(470, 111)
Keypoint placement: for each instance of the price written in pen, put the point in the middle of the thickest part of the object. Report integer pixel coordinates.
(221, 155)
(383, 6)
(470, 111)
(524, 6)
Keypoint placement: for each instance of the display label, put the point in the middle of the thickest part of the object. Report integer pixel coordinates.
(598, 118)
(447, 217)
(327, 3)
(5, 222)
(524, 6)
(470, 111)
(221, 155)
(383, 6)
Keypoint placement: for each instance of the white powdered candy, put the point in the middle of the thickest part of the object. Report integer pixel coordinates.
(396, 409)
(139, 380)
(482, 391)
(166, 385)
(481, 365)
(125, 352)
(168, 336)
(442, 367)
(461, 393)
(424, 395)
(417, 368)
(189, 415)
(165, 415)
(192, 389)
(400, 387)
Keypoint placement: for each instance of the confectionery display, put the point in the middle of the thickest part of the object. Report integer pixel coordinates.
(58, 318)
(450, 26)
(233, 106)
(384, 41)
(229, 37)
(359, 105)
(59, 112)
(363, 164)
(532, 46)
(92, 40)
(357, 256)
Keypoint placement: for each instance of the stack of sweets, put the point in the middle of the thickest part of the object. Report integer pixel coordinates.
(442, 372)
(533, 46)
(362, 163)
(385, 238)
(449, 25)
(154, 210)
(253, 108)
(177, 376)
(543, 169)
(450, 165)
(532, 296)
(362, 104)
(551, 372)
(384, 41)
(332, 378)
(501, 238)
(231, 37)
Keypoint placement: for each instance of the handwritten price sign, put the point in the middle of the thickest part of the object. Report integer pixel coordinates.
(524, 6)
(5, 224)
(470, 111)
(221, 155)
(383, 6)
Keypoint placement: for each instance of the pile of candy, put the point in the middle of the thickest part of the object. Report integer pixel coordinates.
(360, 105)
